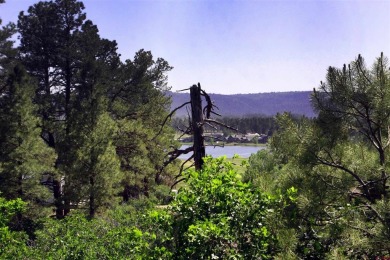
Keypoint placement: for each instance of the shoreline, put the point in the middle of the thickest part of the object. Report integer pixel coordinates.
(229, 144)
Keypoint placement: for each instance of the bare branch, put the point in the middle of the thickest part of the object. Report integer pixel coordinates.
(369, 206)
(176, 153)
(177, 182)
(220, 123)
(215, 113)
(341, 167)
(167, 117)
(209, 107)
(216, 145)
(182, 166)
(183, 90)
(210, 125)
(184, 132)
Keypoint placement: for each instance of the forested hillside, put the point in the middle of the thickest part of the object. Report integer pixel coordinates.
(267, 104)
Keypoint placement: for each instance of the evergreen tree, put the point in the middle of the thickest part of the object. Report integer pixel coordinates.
(140, 104)
(7, 53)
(70, 60)
(49, 51)
(45, 46)
(81, 82)
(339, 163)
(93, 174)
(24, 157)
(90, 162)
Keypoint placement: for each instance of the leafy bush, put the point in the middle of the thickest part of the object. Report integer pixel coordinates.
(12, 244)
(218, 216)
(77, 237)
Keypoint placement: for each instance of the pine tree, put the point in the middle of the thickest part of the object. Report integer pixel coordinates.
(77, 69)
(90, 163)
(340, 164)
(45, 48)
(7, 52)
(95, 170)
(69, 59)
(24, 157)
(140, 105)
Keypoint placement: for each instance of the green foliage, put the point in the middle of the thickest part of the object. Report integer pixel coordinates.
(263, 171)
(7, 53)
(219, 216)
(251, 124)
(128, 234)
(94, 171)
(24, 157)
(339, 163)
(8, 209)
(97, 112)
(12, 244)
(140, 105)
(133, 152)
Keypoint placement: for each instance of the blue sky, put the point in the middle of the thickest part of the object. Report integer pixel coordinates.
(241, 46)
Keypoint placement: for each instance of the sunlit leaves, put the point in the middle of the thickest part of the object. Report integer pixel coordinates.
(220, 216)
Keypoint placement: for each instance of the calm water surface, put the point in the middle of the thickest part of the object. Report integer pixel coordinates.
(229, 151)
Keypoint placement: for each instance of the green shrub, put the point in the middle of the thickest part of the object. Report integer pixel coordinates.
(219, 216)
(12, 243)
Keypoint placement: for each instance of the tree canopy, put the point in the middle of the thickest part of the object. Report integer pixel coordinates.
(96, 114)
(339, 163)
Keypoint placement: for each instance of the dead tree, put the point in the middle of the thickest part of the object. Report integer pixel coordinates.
(198, 117)
(197, 125)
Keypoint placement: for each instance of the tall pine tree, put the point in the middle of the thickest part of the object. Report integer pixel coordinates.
(82, 82)
(24, 157)
(91, 164)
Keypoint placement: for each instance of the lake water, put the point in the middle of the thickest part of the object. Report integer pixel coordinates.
(228, 151)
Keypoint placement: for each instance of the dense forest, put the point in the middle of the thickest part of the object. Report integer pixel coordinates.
(249, 124)
(265, 104)
(83, 159)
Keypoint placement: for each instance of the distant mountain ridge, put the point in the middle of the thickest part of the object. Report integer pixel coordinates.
(269, 104)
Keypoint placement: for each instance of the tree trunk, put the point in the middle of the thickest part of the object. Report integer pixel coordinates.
(92, 206)
(197, 126)
(58, 199)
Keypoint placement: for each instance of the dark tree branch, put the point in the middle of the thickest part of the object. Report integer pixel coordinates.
(177, 182)
(182, 166)
(221, 124)
(183, 90)
(167, 117)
